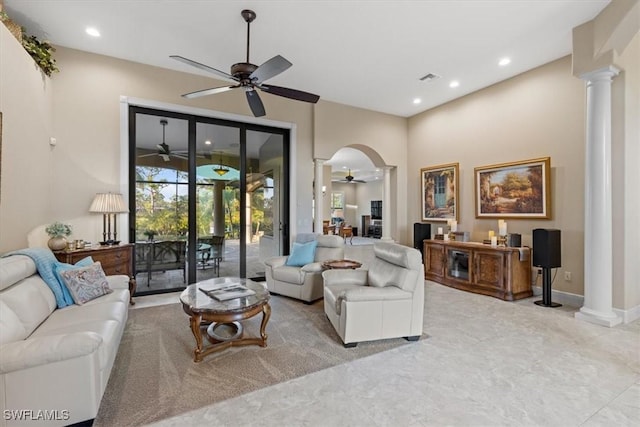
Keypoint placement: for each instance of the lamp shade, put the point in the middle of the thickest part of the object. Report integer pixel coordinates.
(108, 203)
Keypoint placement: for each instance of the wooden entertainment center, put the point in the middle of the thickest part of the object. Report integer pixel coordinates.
(498, 271)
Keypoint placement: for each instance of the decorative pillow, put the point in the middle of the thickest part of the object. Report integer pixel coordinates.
(86, 283)
(302, 254)
(61, 266)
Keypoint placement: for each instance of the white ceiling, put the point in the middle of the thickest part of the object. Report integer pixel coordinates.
(365, 53)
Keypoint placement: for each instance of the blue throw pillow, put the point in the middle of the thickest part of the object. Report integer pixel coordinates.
(59, 267)
(302, 254)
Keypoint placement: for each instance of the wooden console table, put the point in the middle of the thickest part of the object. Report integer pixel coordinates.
(498, 271)
(117, 259)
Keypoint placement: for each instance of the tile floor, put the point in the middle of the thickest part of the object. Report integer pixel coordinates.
(484, 362)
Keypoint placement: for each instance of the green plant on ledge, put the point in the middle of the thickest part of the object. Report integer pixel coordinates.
(41, 52)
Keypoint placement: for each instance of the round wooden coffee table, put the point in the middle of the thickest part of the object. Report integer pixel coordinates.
(341, 264)
(203, 309)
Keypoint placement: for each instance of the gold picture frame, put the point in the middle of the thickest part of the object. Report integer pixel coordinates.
(439, 192)
(514, 190)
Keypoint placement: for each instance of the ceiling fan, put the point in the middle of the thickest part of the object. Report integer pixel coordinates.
(249, 77)
(163, 149)
(351, 178)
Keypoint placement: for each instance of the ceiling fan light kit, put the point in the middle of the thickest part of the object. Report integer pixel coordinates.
(221, 169)
(250, 77)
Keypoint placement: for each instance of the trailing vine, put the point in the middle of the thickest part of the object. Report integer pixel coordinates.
(41, 52)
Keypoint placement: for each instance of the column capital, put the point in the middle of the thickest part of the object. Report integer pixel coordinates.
(606, 73)
(319, 161)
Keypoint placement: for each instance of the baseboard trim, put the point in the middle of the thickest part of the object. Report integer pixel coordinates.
(575, 300)
(564, 298)
(629, 315)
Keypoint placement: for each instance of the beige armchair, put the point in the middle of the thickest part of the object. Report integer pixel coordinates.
(385, 301)
(303, 283)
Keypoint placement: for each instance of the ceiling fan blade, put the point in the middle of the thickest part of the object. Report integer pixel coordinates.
(211, 91)
(257, 108)
(203, 67)
(298, 95)
(271, 68)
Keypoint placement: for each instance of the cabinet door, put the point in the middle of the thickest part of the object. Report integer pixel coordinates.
(489, 269)
(458, 268)
(434, 260)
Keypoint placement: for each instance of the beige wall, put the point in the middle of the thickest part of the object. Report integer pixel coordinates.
(86, 122)
(28, 161)
(536, 114)
(382, 136)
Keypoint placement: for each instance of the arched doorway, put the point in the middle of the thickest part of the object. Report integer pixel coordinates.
(354, 188)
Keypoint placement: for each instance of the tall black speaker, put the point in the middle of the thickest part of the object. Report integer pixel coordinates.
(546, 248)
(420, 232)
(546, 254)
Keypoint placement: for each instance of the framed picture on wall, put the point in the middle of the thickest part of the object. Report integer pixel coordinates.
(514, 190)
(439, 192)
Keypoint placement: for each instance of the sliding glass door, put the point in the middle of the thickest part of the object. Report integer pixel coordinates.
(210, 198)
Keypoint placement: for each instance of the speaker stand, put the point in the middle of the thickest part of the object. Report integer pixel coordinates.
(546, 290)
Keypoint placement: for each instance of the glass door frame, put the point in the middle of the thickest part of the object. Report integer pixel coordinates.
(243, 127)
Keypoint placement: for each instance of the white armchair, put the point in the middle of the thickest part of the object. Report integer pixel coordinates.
(303, 283)
(385, 301)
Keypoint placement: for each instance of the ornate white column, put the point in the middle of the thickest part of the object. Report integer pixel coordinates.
(386, 205)
(317, 196)
(598, 223)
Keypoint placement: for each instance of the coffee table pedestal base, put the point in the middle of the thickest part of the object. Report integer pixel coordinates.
(196, 321)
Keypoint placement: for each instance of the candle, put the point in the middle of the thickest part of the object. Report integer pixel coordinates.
(491, 233)
(440, 230)
(503, 228)
(454, 225)
(494, 241)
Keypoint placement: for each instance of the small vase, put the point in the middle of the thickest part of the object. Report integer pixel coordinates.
(57, 243)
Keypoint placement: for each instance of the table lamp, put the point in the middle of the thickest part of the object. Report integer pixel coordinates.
(108, 204)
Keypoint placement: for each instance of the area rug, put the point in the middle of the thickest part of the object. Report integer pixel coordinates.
(154, 376)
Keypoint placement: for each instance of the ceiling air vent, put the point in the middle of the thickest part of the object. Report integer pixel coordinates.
(429, 77)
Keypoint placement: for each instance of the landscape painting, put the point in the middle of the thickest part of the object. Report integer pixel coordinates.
(439, 192)
(514, 190)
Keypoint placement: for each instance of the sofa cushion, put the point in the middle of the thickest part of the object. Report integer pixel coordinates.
(108, 330)
(329, 247)
(86, 283)
(45, 261)
(289, 274)
(31, 301)
(302, 253)
(395, 266)
(15, 268)
(11, 328)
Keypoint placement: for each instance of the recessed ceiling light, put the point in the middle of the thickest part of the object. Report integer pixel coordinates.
(417, 100)
(207, 142)
(454, 83)
(93, 32)
(504, 61)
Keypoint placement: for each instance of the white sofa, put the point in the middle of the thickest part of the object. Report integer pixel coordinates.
(303, 283)
(384, 301)
(54, 360)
